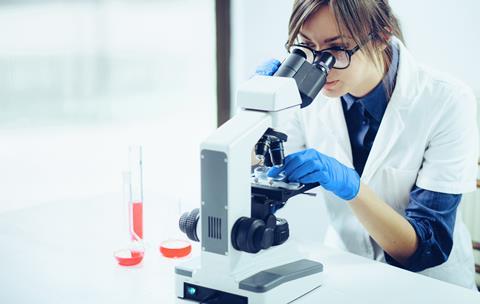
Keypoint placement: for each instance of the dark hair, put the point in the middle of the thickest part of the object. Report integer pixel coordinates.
(357, 19)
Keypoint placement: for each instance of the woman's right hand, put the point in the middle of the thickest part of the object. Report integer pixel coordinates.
(268, 68)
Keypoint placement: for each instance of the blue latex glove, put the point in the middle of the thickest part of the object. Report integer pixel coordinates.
(310, 166)
(268, 68)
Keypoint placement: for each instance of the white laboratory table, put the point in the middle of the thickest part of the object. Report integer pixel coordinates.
(61, 252)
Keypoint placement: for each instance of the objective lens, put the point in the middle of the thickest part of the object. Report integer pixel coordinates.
(261, 147)
(277, 153)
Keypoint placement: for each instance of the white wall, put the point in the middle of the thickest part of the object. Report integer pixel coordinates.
(444, 35)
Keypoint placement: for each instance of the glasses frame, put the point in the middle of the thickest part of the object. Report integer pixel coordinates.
(349, 52)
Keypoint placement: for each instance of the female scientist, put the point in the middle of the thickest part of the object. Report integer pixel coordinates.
(408, 132)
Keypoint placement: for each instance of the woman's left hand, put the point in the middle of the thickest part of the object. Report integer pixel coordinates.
(310, 166)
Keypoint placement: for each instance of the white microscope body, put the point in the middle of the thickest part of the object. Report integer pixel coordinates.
(276, 275)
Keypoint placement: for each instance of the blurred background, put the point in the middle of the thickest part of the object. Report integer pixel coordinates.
(80, 80)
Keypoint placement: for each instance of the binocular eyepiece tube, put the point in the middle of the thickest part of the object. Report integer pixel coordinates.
(310, 77)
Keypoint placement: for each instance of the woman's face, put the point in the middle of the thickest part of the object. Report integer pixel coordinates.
(320, 31)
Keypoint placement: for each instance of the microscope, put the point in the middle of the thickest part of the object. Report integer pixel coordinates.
(246, 255)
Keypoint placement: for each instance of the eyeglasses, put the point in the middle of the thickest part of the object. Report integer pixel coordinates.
(342, 56)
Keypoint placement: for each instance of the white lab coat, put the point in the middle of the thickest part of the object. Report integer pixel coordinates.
(428, 137)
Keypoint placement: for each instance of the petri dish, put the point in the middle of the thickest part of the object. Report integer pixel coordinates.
(175, 248)
(128, 257)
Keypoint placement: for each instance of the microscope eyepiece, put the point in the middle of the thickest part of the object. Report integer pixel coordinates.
(292, 65)
(299, 52)
(325, 61)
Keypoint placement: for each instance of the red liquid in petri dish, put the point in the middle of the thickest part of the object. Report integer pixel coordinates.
(175, 248)
(128, 257)
(137, 218)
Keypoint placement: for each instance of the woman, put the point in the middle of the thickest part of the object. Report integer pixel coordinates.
(392, 142)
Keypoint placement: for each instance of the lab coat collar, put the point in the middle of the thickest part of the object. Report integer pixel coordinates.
(408, 84)
(406, 89)
(376, 101)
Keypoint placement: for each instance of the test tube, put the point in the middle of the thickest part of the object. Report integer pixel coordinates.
(136, 202)
(134, 252)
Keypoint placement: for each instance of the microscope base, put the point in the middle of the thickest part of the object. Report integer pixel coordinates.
(281, 284)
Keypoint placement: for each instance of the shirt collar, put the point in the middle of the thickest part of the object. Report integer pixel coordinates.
(376, 101)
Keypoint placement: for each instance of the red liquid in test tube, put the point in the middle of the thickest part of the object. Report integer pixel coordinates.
(136, 202)
(137, 219)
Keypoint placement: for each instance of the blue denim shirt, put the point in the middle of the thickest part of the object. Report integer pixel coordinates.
(432, 214)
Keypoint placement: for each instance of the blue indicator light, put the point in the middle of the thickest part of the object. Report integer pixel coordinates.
(191, 291)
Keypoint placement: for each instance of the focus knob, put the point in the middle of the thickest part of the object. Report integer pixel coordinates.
(252, 235)
(188, 224)
(282, 232)
(267, 238)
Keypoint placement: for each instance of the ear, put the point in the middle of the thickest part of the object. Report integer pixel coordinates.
(385, 36)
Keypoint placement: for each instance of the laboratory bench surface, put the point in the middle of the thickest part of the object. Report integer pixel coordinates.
(62, 252)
